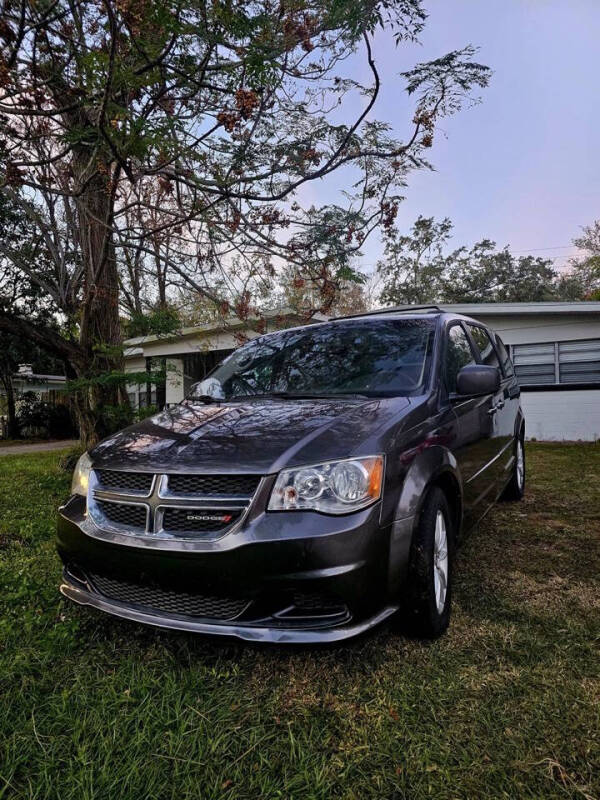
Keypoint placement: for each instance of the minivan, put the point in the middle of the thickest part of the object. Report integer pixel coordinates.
(316, 483)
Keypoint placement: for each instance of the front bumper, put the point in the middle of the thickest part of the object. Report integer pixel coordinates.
(249, 633)
(266, 565)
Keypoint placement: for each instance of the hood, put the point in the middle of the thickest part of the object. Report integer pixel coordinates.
(259, 437)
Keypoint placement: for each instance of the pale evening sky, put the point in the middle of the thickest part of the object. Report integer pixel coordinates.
(523, 167)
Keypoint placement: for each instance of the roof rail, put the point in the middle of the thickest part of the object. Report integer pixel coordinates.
(394, 310)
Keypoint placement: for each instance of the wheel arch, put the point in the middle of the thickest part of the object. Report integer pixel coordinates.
(435, 466)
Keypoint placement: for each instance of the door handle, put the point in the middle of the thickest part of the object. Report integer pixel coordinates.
(496, 408)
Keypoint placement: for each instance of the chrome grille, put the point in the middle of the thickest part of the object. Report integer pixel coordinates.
(213, 485)
(194, 507)
(123, 514)
(168, 600)
(115, 481)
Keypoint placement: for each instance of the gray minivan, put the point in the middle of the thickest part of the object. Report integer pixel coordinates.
(316, 483)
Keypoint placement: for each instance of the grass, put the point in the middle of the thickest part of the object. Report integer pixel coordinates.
(506, 705)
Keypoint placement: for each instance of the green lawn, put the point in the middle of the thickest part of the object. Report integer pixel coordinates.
(507, 704)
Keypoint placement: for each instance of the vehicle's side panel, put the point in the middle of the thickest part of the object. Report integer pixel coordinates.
(511, 419)
(501, 411)
(474, 446)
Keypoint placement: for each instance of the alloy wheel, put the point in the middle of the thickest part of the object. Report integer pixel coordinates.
(440, 561)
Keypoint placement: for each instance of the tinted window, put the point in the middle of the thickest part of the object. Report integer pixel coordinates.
(373, 357)
(504, 357)
(485, 346)
(458, 355)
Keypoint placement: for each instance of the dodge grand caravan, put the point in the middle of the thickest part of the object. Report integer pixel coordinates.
(314, 484)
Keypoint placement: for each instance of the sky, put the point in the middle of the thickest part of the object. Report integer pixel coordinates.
(523, 167)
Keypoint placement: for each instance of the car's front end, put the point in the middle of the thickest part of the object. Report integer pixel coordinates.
(203, 552)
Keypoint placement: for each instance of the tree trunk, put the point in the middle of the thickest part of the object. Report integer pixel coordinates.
(12, 429)
(100, 328)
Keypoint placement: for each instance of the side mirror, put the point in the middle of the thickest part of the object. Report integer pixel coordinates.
(478, 379)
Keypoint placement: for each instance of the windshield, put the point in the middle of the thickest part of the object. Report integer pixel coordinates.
(360, 357)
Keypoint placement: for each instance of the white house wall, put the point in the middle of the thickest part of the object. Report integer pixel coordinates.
(136, 364)
(562, 415)
(532, 328)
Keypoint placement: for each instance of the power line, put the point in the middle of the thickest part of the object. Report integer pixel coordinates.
(537, 249)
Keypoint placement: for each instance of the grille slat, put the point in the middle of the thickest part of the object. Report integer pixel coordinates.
(207, 520)
(115, 481)
(213, 485)
(123, 514)
(167, 600)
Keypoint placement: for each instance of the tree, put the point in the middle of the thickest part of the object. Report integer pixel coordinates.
(484, 274)
(122, 121)
(417, 268)
(414, 264)
(582, 279)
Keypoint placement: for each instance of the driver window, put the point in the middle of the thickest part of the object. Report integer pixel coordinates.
(485, 345)
(458, 355)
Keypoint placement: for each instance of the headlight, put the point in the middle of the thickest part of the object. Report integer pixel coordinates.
(335, 487)
(81, 476)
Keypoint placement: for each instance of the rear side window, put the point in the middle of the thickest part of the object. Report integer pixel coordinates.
(485, 346)
(458, 355)
(504, 357)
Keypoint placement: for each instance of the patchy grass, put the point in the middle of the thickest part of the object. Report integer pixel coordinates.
(507, 704)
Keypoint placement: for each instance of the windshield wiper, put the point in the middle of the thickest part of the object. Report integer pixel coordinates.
(206, 398)
(315, 395)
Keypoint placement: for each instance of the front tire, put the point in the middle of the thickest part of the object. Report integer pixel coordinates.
(429, 581)
(515, 489)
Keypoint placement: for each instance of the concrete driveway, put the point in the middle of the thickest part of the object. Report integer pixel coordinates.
(38, 447)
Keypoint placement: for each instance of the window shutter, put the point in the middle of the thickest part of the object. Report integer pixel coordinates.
(579, 362)
(534, 363)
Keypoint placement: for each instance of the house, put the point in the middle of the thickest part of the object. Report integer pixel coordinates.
(50, 388)
(555, 348)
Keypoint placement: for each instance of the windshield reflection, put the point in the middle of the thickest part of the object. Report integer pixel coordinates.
(372, 358)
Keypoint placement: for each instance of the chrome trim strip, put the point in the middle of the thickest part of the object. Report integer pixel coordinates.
(492, 460)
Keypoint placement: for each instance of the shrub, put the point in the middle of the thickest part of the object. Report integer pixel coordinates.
(38, 418)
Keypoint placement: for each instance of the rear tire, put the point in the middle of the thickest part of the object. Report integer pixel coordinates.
(515, 489)
(428, 592)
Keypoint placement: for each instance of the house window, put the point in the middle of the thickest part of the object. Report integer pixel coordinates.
(579, 362)
(575, 362)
